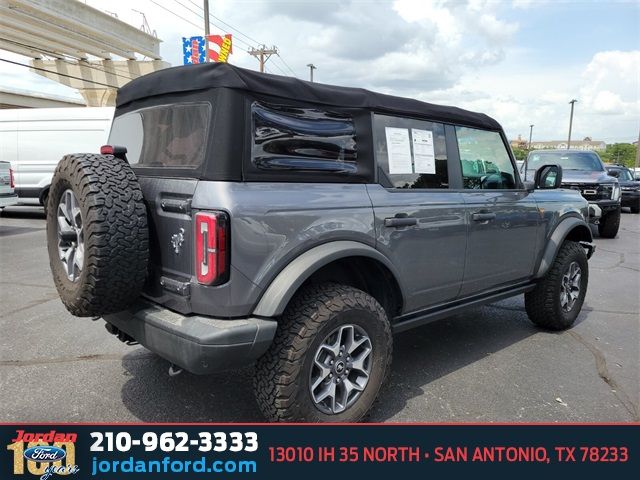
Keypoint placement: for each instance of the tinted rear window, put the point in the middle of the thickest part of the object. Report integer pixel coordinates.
(171, 136)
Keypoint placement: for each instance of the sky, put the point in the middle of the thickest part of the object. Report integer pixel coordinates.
(519, 61)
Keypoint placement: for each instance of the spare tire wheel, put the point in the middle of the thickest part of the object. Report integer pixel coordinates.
(97, 234)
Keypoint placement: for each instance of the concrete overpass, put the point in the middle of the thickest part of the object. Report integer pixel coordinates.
(75, 44)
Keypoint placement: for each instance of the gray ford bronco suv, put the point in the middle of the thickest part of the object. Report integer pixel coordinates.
(239, 217)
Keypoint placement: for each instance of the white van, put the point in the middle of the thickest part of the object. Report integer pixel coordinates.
(35, 139)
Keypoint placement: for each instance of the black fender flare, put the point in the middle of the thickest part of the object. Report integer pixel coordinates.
(280, 291)
(557, 238)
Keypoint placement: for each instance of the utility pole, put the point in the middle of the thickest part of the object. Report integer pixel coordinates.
(572, 102)
(206, 30)
(312, 67)
(262, 53)
(530, 134)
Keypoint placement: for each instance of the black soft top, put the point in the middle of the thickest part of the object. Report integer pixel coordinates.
(215, 75)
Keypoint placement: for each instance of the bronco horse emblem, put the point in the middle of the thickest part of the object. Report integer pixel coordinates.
(177, 239)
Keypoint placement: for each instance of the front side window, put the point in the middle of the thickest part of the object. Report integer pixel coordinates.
(303, 139)
(484, 160)
(171, 136)
(412, 153)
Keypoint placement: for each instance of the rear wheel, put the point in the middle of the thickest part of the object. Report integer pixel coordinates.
(635, 208)
(609, 224)
(97, 234)
(330, 356)
(557, 299)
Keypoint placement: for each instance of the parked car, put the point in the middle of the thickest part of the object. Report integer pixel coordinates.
(629, 186)
(8, 196)
(238, 217)
(34, 140)
(584, 171)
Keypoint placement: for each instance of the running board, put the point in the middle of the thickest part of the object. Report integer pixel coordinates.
(417, 319)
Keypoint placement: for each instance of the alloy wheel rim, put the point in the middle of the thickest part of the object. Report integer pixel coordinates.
(341, 369)
(70, 235)
(570, 286)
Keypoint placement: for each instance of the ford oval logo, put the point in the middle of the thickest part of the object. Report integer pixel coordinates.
(44, 454)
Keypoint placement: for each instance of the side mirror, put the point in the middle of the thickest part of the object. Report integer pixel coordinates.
(548, 177)
(614, 173)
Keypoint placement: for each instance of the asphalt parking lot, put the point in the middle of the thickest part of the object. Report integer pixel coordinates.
(490, 364)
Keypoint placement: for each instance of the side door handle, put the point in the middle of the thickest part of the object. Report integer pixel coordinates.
(400, 222)
(483, 216)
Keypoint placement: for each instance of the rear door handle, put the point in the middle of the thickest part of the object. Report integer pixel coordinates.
(483, 216)
(400, 222)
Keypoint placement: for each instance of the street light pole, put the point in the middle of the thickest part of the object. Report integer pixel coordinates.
(572, 102)
(206, 30)
(530, 134)
(312, 67)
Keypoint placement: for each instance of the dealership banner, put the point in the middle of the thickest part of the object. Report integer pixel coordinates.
(186, 451)
(220, 47)
(193, 50)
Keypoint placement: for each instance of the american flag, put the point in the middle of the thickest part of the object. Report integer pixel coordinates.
(193, 49)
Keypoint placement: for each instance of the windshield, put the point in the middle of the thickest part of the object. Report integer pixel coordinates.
(623, 173)
(588, 161)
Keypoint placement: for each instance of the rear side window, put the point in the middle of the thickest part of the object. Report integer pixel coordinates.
(484, 160)
(302, 139)
(412, 153)
(172, 136)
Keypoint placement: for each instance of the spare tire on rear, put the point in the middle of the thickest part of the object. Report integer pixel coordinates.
(97, 234)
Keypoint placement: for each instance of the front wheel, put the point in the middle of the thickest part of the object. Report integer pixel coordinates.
(609, 224)
(329, 358)
(557, 299)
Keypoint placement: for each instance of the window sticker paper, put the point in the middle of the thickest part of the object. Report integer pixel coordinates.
(423, 152)
(398, 150)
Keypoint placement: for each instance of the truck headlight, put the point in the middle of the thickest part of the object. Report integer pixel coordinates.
(616, 192)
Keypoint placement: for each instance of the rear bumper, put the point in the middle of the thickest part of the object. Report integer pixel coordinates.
(198, 344)
(8, 200)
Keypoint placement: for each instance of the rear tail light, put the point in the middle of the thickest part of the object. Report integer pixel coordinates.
(212, 242)
(12, 182)
(106, 150)
(115, 150)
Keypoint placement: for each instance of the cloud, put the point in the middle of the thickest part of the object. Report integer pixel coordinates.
(612, 83)
(470, 53)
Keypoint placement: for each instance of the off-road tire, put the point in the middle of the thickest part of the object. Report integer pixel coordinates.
(609, 224)
(543, 303)
(116, 237)
(635, 208)
(281, 380)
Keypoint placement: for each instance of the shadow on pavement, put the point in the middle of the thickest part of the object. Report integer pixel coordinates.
(421, 356)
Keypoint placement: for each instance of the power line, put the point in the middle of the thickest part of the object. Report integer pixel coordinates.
(227, 24)
(252, 47)
(201, 17)
(287, 65)
(57, 73)
(175, 14)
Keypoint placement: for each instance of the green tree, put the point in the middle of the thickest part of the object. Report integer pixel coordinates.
(520, 153)
(622, 153)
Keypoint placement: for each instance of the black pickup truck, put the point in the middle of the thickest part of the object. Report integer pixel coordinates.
(584, 171)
